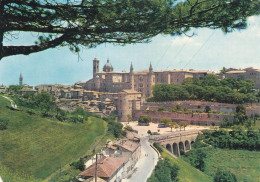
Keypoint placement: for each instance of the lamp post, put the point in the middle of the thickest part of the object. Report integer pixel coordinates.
(96, 168)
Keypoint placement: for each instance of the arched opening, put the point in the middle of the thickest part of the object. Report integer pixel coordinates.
(187, 145)
(181, 147)
(175, 149)
(168, 147)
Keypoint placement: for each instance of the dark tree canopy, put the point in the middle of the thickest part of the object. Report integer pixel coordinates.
(90, 23)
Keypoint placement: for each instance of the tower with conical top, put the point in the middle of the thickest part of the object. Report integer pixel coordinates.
(131, 68)
(131, 77)
(21, 80)
(150, 82)
(150, 68)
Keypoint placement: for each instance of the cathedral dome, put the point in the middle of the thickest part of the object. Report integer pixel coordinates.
(108, 67)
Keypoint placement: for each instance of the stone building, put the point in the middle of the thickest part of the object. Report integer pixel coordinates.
(253, 74)
(247, 73)
(141, 81)
(235, 74)
(108, 169)
(58, 90)
(2, 89)
(116, 161)
(127, 102)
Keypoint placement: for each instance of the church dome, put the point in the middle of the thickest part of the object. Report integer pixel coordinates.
(108, 67)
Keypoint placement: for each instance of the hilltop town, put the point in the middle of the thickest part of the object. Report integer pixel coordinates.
(147, 97)
(125, 93)
(149, 125)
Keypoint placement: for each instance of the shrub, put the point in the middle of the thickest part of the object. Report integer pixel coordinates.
(196, 158)
(78, 164)
(114, 127)
(150, 99)
(30, 111)
(224, 175)
(165, 121)
(158, 147)
(3, 124)
(144, 119)
(76, 119)
(165, 171)
(161, 109)
(149, 132)
(207, 109)
(128, 128)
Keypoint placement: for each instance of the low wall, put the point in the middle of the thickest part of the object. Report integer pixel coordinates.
(195, 118)
(251, 109)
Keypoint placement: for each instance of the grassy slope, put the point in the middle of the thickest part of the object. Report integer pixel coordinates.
(244, 164)
(187, 173)
(37, 146)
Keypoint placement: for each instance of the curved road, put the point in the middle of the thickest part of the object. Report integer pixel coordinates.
(146, 163)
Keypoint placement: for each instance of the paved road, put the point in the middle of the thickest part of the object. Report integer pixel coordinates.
(145, 165)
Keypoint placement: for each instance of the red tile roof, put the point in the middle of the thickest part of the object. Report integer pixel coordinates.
(107, 166)
(127, 144)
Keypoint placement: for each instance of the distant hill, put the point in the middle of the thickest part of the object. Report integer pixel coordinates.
(33, 147)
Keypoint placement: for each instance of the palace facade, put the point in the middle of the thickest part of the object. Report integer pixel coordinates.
(109, 80)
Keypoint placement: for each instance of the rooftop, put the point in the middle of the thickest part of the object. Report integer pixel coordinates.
(130, 92)
(132, 136)
(127, 144)
(237, 71)
(106, 167)
(28, 90)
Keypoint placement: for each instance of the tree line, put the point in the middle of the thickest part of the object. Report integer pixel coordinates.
(235, 139)
(210, 88)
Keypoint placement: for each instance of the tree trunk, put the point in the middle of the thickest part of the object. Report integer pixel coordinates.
(2, 26)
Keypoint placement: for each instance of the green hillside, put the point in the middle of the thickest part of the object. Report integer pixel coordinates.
(37, 146)
(243, 163)
(187, 173)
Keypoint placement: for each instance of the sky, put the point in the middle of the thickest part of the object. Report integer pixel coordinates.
(206, 50)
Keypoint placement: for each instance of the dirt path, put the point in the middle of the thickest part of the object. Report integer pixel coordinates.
(13, 105)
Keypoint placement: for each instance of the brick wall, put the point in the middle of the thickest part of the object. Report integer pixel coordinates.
(195, 118)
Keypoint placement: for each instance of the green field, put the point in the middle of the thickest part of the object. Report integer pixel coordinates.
(37, 146)
(187, 173)
(244, 164)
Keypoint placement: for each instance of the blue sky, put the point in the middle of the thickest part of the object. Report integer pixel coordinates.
(207, 50)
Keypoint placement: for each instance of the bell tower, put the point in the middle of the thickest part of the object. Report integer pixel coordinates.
(95, 66)
(131, 77)
(21, 80)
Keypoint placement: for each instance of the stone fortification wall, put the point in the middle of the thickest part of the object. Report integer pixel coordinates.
(191, 105)
(195, 118)
(251, 109)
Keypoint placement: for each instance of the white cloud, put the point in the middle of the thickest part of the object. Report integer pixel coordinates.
(186, 40)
